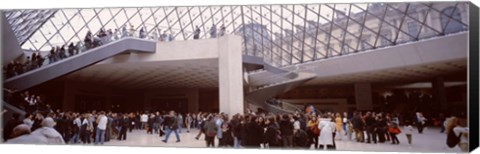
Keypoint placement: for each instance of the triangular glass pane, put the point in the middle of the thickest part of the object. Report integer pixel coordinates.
(87, 14)
(67, 32)
(106, 18)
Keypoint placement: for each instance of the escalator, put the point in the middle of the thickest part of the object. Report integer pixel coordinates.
(275, 82)
(76, 62)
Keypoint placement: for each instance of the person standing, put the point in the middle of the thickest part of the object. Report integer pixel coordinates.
(213, 31)
(286, 129)
(196, 33)
(370, 124)
(314, 131)
(327, 128)
(338, 125)
(144, 120)
(171, 125)
(101, 127)
(210, 131)
(180, 123)
(461, 130)
(408, 131)
(77, 124)
(188, 121)
(357, 125)
(124, 124)
(12, 123)
(222, 30)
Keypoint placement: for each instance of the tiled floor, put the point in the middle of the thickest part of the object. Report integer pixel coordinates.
(430, 141)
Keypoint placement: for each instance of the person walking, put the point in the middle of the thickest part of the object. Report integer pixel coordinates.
(171, 125)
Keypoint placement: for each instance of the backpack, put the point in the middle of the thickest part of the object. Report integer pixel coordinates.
(452, 139)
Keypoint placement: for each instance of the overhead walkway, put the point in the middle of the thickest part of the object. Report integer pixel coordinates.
(76, 62)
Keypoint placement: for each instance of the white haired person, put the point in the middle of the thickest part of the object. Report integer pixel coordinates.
(49, 132)
(21, 135)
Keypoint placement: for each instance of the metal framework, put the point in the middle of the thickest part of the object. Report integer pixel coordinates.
(281, 34)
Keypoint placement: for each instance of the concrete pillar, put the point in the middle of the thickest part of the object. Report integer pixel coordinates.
(363, 96)
(438, 86)
(230, 74)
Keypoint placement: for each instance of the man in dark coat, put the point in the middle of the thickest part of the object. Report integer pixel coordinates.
(171, 125)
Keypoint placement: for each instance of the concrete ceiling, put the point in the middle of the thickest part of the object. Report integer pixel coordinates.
(402, 75)
(148, 75)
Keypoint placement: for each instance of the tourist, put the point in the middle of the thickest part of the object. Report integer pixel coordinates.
(210, 131)
(408, 129)
(393, 130)
(171, 124)
(327, 128)
(28, 120)
(124, 123)
(314, 130)
(71, 49)
(358, 126)
(213, 31)
(226, 129)
(254, 132)
(21, 135)
(240, 134)
(272, 134)
(421, 120)
(180, 123)
(338, 126)
(143, 120)
(10, 125)
(371, 125)
(101, 127)
(86, 129)
(188, 121)
(222, 30)
(77, 125)
(196, 33)
(286, 129)
(47, 130)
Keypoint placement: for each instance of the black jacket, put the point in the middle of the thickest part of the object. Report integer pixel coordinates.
(254, 134)
(272, 136)
(286, 127)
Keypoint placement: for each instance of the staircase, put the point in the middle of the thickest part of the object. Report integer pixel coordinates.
(278, 81)
(79, 61)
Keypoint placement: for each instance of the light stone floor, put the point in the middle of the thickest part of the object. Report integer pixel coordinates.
(430, 141)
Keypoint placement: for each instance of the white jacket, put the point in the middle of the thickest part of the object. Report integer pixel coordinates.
(327, 127)
(53, 137)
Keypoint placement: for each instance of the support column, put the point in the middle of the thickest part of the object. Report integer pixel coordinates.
(230, 74)
(438, 86)
(363, 96)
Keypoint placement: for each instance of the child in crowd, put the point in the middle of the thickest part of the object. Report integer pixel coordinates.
(408, 131)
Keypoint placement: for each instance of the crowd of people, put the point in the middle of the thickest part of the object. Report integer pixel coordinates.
(251, 130)
(58, 53)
